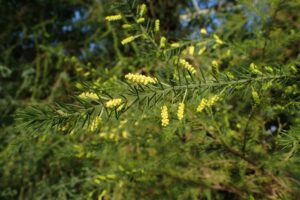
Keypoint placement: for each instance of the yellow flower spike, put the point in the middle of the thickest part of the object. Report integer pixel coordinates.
(126, 26)
(156, 25)
(212, 100)
(128, 40)
(255, 97)
(140, 79)
(215, 66)
(230, 75)
(113, 18)
(175, 45)
(202, 50)
(217, 39)
(203, 31)
(254, 69)
(120, 107)
(88, 95)
(202, 105)
(143, 10)
(140, 20)
(125, 134)
(95, 124)
(191, 50)
(164, 116)
(113, 103)
(163, 42)
(180, 111)
(187, 66)
(215, 63)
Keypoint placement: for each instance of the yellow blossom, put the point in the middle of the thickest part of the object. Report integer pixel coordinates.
(175, 45)
(202, 50)
(191, 50)
(217, 39)
(180, 111)
(125, 134)
(88, 95)
(187, 66)
(255, 97)
(143, 9)
(163, 42)
(113, 103)
(164, 116)
(95, 124)
(140, 20)
(254, 69)
(203, 31)
(212, 100)
(128, 40)
(126, 26)
(206, 103)
(202, 105)
(113, 17)
(140, 79)
(156, 25)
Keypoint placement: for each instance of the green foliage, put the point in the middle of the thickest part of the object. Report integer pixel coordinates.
(155, 100)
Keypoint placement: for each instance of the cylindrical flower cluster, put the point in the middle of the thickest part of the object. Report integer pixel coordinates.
(88, 95)
(127, 40)
(206, 103)
(187, 66)
(164, 116)
(113, 18)
(140, 79)
(113, 103)
(180, 111)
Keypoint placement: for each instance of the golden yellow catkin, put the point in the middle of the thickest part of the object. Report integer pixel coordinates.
(254, 69)
(203, 31)
(113, 103)
(88, 95)
(143, 10)
(202, 50)
(180, 111)
(128, 40)
(140, 20)
(164, 116)
(206, 103)
(186, 65)
(212, 100)
(201, 105)
(127, 26)
(113, 17)
(140, 79)
(217, 39)
(156, 25)
(95, 124)
(191, 50)
(175, 45)
(163, 42)
(255, 97)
